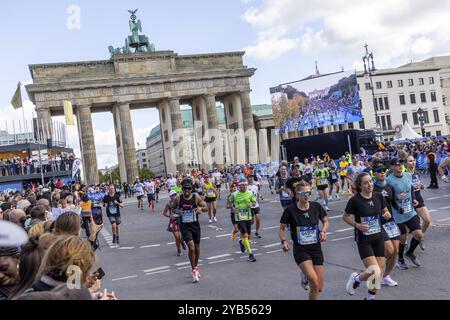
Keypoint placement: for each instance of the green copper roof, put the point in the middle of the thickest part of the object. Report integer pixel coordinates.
(262, 110)
(156, 131)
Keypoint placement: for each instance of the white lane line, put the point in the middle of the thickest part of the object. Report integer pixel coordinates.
(186, 263)
(162, 271)
(155, 269)
(256, 254)
(443, 219)
(124, 278)
(444, 208)
(275, 201)
(187, 267)
(205, 238)
(343, 230)
(151, 246)
(219, 261)
(433, 198)
(274, 227)
(220, 256)
(433, 210)
(223, 235)
(271, 245)
(125, 248)
(328, 233)
(170, 243)
(338, 239)
(335, 217)
(274, 251)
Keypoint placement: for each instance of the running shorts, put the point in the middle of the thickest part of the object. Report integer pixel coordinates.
(233, 220)
(256, 211)
(386, 236)
(115, 220)
(218, 186)
(419, 199)
(139, 197)
(245, 227)
(310, 252)
(191, 232)
(374, 248)
(333, 181)
(322, 187)
(150, 197)
(412, 224)
(210, 200)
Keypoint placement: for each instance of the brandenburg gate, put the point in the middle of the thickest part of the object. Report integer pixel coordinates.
(137, 77)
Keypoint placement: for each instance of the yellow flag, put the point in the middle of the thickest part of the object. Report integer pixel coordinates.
(68, 112)
(16, 101)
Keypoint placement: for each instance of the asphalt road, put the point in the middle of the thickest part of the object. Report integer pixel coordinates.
(145, 266)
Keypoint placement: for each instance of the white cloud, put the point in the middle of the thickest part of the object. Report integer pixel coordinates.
(396, 31)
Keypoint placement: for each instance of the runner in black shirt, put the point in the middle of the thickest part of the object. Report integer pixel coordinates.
(294, 179)
(369, 208)
(304, 217)
(113, 203)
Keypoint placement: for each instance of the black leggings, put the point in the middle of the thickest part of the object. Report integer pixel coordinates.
(86, 225)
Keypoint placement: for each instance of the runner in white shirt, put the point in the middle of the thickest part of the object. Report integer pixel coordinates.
(138, 188)
(171, 182)
(256, 210)
(217, 176)
(150, 188)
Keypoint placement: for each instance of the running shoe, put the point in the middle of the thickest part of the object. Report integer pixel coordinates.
(337, 197)
(411, 257)
(178, 253)
(326, 208)
(197, 270)
(183, 245)
(422, 245)
(209, 221)
(233, 236)
(195, 278)
(242, 246)
(251, 257)
(401, 264)
(387, 281)
(257, 236)
(304, 281)
(215, 219)
(352, 284)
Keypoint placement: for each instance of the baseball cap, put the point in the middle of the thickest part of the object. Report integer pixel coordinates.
(378, 166)
(11, 235)
(172, 192)
(395, 162)
(243, 181)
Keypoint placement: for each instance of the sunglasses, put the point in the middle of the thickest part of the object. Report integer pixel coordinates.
(381, 171)
(304, 193)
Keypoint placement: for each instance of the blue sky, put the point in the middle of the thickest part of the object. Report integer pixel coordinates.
(283, 38)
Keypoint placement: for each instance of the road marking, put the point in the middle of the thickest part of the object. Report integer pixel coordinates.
(170, 243)
(124, 278)
(223, 235)
(338, 239)
(433, 210)
(273, 251)
(275, 201)
(256, 254)
(443, 219)
(150, 246)
(443, 208)
(219, 261)
(271, 245)
(187, 267)
(434, 198)
(205, 238)
(186, 263)
(328, 233)
(125, 248)
(335, 217)
(155, 269)
(220, 256)
(149, 274)
(274, 227)
(343, 230)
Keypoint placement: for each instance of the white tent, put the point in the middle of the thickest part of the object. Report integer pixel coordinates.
(408, 133)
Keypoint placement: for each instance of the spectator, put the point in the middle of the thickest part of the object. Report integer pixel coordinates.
(9, 274)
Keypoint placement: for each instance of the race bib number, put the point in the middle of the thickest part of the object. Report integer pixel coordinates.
(416, 182)
(373, 223)
(323, 181)
(284, 194)
(406, 205)
(210, 192)
(188, 216)
(112, 209)
(391, 229)
(307, 235)
(243, 215)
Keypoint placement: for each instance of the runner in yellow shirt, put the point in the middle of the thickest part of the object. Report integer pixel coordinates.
(210, 197)
(343, 165)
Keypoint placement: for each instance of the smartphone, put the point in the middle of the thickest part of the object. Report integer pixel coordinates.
(100, 273)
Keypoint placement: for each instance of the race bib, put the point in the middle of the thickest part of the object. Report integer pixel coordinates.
(416, 182)
(406, 205)
(323, 181)
(112, 209)
(243, 215)
(373, 223)
(391, 229)
(284, 194)
(188, 216)
(306, 235)
(210, 192)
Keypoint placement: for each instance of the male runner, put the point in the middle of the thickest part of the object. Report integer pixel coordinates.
(256, 210)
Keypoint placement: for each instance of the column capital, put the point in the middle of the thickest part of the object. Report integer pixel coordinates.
(170, 99)
(245, 91)
(84, 106)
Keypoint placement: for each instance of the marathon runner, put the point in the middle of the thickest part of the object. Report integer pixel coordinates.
(353, 171)
(174, 221)
(444, 166)
(390, 231)
(230, 206)
(406, 217)
(321, 174)
(138, 188)
(303, 218)
(369, 208)
(334, 180)
(256, 209)
(171, 182)
(113, 203)
(343, 165)
(189, 207)
(242, 202)
(210, 198)
(150, 188)
(282, 189)
(421, 209)
(217, 177)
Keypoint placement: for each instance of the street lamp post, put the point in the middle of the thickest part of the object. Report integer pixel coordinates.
(421, 121)
(369, 71)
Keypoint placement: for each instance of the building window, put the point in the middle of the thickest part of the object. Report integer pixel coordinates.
(378, 84)
(367, 84)
(166, 136)
(350, 125)
(383, 123)
(438, 133)
(433, 96)
(388, 120)
(400, 83)
(431, 80)
(410, 82)
(423, 97)
(436, 115)
(143, 154)
(311, 132)
(426, 119)
(404, 117)
(389, 84)
(341, 127)
(386, 103)
(375, 103)
(428, 134)
(412, 97)
(380, 103)
(402, 99)
(415, 119)
(421, 81)
(362, 125)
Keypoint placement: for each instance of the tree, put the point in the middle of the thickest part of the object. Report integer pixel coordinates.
(109, 177)
(146, 173)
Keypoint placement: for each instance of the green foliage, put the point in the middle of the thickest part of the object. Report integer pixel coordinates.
(146, 173)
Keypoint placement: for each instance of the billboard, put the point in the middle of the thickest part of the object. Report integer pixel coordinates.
(316, 102)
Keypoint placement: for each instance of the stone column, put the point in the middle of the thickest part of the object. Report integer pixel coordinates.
(263, 145)
(235, 129)
(214, 136)
(119, 142)
(129, 149)
(44, 124)
(177, 134)
(166, 137)
(200, 126)
(87, 144)
(249, 127)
